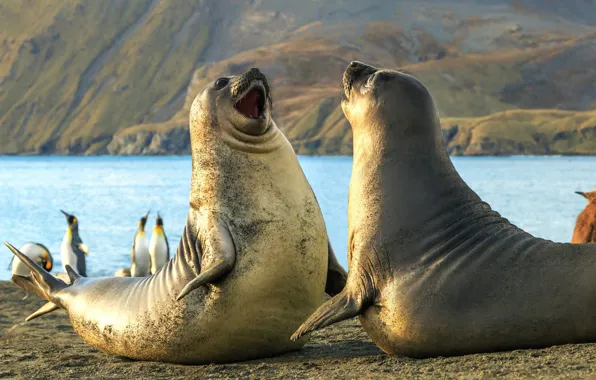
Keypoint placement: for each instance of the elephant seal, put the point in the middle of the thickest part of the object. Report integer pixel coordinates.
(254, 259)
(433, 271)
(585, 224)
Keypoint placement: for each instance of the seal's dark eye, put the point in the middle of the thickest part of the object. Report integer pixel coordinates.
(221, 83)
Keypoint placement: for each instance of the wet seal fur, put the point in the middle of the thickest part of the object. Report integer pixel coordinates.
(585, 224)
(253, 261)
(433, 270)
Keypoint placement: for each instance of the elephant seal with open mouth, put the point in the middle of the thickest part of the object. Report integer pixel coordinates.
(253, 261)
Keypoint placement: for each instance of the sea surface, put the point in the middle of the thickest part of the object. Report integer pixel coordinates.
(109, 194)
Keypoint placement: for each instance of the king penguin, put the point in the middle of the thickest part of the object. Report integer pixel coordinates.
(159, 249)
(585, 223)
(140, 258)
(73, 250)
(38, 253)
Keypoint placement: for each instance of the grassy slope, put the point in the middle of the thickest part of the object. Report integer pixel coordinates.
(523, 132)
(307, 103)
(81, 78)
(44, 76)
(472, 85)
(74, 75)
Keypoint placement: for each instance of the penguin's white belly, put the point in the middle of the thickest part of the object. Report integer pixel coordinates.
(142, 259)
(67, 255)
(159, 252)
(19, 268)
(32, 251)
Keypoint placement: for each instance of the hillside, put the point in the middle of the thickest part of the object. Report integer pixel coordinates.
(87, 77)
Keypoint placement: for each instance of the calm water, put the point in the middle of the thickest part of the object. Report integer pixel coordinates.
(110, 194)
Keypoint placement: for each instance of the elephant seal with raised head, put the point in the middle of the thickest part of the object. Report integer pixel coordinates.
(433, 270)
(253, 261)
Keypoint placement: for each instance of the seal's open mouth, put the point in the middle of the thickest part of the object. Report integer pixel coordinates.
(252, 104)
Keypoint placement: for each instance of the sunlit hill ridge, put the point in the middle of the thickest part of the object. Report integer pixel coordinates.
(90, 77)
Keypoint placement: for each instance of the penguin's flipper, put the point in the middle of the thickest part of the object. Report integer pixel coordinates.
(83, 247)
(45, 309)
(167, 247)
(10, 263)
(41, 282)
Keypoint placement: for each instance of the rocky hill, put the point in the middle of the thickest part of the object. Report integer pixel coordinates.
(118, 77)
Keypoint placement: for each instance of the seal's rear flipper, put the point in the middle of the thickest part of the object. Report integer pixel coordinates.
(337, 309)
(27, 285)
(41, 282)
(45, 309)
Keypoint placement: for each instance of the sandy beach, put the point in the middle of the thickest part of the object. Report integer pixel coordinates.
(48, 348)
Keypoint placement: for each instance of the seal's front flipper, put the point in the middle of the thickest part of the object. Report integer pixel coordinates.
(218, 257)
(41, 282)
(336, 274)
(341, 307)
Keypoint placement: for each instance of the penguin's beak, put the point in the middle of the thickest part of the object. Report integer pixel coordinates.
(65, 214)
(581, 193)
(147, 215)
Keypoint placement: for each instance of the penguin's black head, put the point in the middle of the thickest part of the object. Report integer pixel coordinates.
(47, 262)
(143, 220)
(159, 220)
(70, 219)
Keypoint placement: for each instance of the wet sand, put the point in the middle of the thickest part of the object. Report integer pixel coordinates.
(48, 348)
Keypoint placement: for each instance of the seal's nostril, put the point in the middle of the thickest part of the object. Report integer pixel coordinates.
(254, 70)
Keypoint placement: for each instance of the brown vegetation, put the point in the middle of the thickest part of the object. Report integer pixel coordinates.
(87, 78)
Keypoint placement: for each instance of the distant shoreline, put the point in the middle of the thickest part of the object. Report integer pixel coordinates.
(299, 154)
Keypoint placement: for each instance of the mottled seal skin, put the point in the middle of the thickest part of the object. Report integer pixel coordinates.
(585, 224)
(252, 261)
(433, 271)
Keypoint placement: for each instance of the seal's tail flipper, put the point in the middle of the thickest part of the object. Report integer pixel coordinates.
(50, 306)
(41, 282)
(341, 307)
